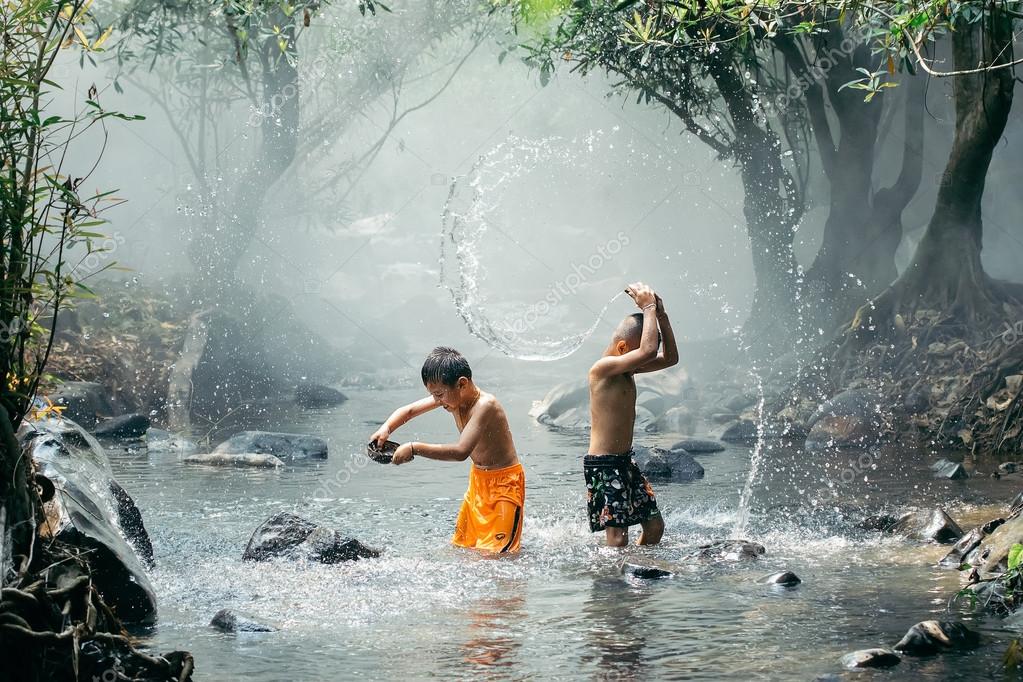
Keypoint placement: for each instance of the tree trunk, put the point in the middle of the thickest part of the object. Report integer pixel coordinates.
(15, 496)
(946, 273)
(217, 251)
(771, 208)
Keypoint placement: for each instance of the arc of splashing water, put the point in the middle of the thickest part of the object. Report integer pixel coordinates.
(460, 266)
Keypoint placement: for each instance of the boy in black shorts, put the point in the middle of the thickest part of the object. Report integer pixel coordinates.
(618, 494)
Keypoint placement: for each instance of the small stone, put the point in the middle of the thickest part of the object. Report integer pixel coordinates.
(645, 572)
(227, 620)
(950, 470)
(784, 579)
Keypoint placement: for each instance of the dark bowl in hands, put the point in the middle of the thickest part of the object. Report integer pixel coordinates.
(381, 454)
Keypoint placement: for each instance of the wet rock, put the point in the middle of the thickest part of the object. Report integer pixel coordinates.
(968, 543)
(743, 431)
(673, 466)
(1016, 506)
(696, 446)
(928, 525)
(785, 579)
(289, 536)
(738, 403)
(851, 419)
(932, 636)
(158, 440)
(125, 426)
(130, 519)
(574, 396)
(645, 572)
(288, 446)
(227, 620)
(728, 550)
(1010, 467)
(879, 522)
(871, 658)
(90, 511)
(678, 419)
(993, 552)
(83, 401)
(237, 459)
(723, 417)
(950, 470)
(309, 394)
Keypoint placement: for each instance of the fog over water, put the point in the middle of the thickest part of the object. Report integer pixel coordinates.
(364, 272)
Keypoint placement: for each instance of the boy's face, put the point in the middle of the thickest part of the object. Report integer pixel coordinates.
(448, 397)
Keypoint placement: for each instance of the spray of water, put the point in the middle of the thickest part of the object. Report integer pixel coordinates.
(469, 214)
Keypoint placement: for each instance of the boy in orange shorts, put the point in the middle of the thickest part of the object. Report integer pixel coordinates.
(491, 515)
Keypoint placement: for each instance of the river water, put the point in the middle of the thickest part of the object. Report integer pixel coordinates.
(561, 609)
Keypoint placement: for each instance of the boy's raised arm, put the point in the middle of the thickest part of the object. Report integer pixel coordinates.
(402, 416)
(611, 365)
(668, 355)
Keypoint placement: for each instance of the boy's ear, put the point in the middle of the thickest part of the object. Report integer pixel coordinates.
(462, 382)
(622, 347)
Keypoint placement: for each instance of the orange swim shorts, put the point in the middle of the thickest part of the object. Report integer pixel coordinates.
(491, 515)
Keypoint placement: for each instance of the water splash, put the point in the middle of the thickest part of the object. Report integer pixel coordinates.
(469, 214)
(742, 515)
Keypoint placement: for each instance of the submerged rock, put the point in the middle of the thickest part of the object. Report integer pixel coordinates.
(158, 440)
(227, 620)
(83, 401)
(728, 550)
(871, 658)
(282, 445)
(664, 465)
(950, 470)
(91, 511)
(879, 522)
(932, 636)
(928, 525)
(125, 426)
(696, 446)
(286, 535)
(743, 431)
(785, 579)
(309, 394)
(645, 572)
(240, 459)
(851, 419)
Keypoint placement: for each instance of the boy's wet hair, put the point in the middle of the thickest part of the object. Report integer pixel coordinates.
(445, 365)
(630, 330)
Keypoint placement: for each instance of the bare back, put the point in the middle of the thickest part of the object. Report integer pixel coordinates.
(494, 449)
(612, 413)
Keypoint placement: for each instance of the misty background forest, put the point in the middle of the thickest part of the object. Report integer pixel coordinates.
(231, 232)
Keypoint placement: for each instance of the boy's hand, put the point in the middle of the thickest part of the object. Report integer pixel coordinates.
(403, 454)
(380, 437)
(641, 294)
(660, 305)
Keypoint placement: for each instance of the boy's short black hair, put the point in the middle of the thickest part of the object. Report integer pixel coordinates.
(630, 330)
(445, 365)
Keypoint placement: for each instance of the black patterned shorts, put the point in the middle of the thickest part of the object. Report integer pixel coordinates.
(617, 493)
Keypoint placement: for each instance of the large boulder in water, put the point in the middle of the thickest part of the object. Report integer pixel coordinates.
(283, 445)
(309, 394)
(929, 525)
(90, 510)
(673, 466)
(743, 431)
(697, 446)
(871, 658)
(678, 419)
(84, 402)
(968, 543)
(124, 426)
(288, 536)
(851, 419)
(933, 636)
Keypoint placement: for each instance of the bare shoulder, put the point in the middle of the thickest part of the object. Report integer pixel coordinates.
(489, 405)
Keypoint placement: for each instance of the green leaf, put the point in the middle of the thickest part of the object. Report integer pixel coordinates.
(1015, 555)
